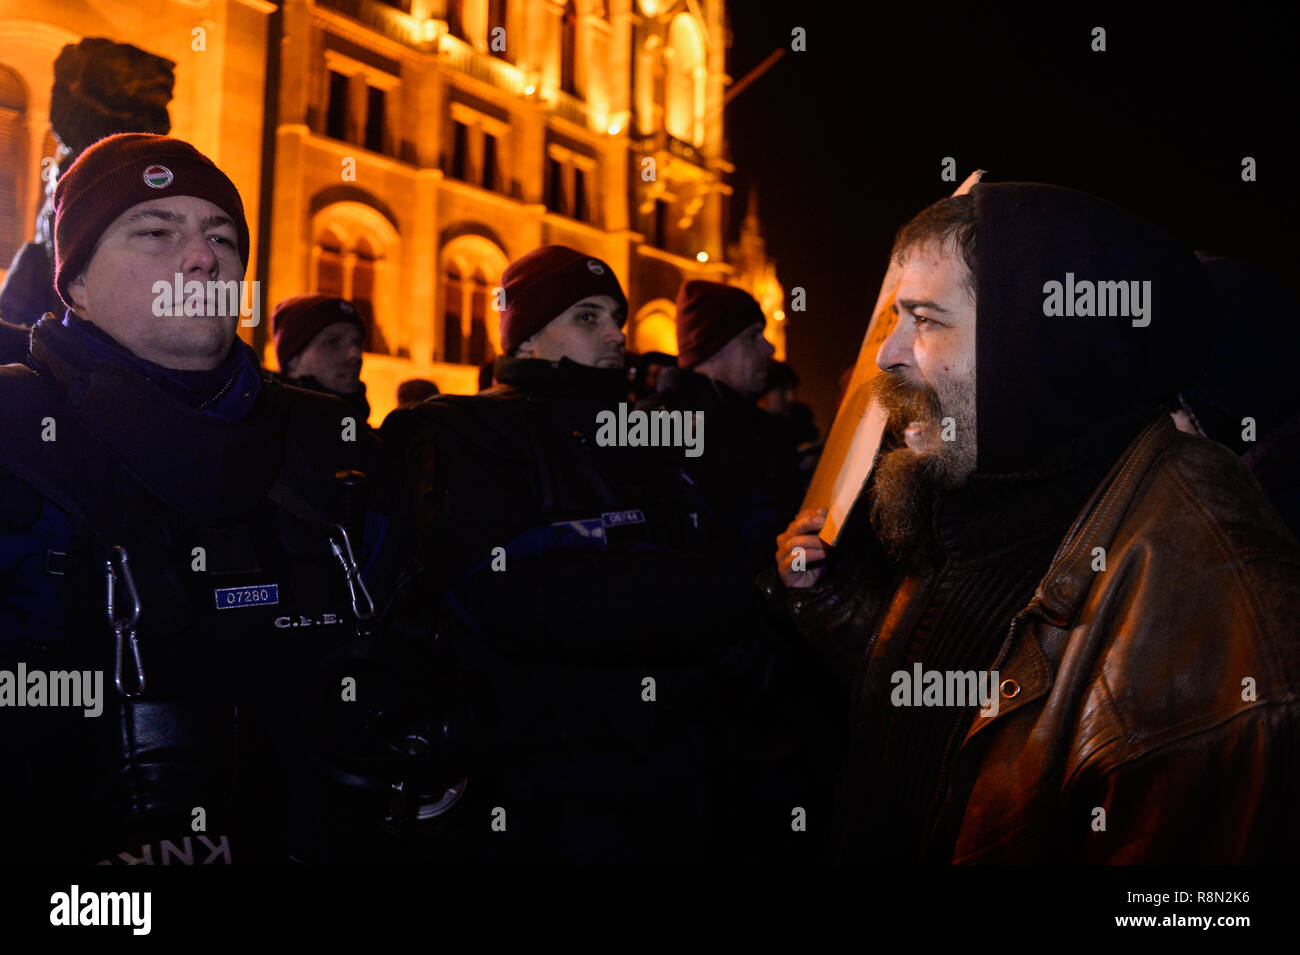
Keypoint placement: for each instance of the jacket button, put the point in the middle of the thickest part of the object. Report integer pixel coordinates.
(1010, 689)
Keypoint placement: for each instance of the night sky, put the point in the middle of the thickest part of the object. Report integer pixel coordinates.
(844, 141)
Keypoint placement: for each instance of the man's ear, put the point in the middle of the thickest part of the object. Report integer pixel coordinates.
(291, 370)
(525, 349)
(77, 292)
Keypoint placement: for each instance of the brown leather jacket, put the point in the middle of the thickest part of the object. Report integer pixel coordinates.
(1149, 711)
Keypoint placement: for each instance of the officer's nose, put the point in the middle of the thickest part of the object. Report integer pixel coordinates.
(197, 254)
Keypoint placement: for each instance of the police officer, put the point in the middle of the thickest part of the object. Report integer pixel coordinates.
(748, 476)
(318, 344)
(168, 522)
(594, 633)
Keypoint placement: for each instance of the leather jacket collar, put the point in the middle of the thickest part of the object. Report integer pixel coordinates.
(1069, 579)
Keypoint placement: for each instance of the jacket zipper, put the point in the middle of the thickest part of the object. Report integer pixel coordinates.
(959, 731)
(220, 394)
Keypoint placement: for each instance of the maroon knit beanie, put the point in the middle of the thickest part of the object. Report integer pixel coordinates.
(542, 284)
(119, 172)
(709, 315)
(297, 320)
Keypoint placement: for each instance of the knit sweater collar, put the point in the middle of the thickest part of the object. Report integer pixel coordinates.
(989, 514)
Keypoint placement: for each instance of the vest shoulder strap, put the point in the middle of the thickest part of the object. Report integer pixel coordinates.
(47, 449)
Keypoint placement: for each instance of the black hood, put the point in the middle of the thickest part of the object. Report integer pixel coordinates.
(1046, 383)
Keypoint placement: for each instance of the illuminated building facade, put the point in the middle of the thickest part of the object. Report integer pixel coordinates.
(400, 154)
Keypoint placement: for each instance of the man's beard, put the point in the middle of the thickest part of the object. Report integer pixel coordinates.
(907, 485)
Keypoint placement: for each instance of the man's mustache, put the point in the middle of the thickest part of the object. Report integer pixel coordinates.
(905, 401)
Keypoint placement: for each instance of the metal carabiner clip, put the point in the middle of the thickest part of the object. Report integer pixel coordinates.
(124, 625)
(341, 544)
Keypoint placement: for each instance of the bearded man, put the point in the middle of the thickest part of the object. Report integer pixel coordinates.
(1068, 633)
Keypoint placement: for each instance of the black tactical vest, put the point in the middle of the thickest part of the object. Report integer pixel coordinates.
(207, 746)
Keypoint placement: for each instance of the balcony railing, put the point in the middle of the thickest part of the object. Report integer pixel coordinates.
(570, 108)
(383, 19)
(487, 69)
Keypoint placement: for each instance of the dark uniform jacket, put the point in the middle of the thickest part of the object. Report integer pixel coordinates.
(209, 507)
(356, 401)
(605, 649)
(747, 477)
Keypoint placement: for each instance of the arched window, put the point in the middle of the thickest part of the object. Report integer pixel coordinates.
(684, 109)
(329, 264)
(355, 251)
(454, 297)
(479, 348)
(471, 271)
(568, 49)
(363, 296)
(654, 328)
(465, 319)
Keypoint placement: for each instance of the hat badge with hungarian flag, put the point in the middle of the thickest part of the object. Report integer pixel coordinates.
(158, 177)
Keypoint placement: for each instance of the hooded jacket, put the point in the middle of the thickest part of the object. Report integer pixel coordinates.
(1146, 676)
